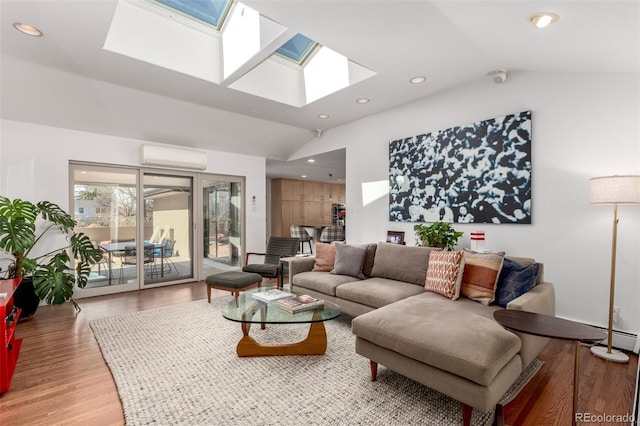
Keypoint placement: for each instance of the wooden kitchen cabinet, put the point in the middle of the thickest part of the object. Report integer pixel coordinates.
(297, 202)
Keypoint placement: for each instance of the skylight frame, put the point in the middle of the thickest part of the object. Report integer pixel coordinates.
(221, 19)
(305, 55)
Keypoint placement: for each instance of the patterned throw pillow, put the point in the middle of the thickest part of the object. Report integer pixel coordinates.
(481, 271)
(444, 273)
(515, 280)
(325, 257)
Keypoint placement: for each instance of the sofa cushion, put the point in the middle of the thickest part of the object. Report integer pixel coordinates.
(514, 281)
(325, 257)
(349, 260)
(322, 282)
(444, 274)
(480, 276)
(376, 292)
(460, 336)
(402, 263)
(369, 259)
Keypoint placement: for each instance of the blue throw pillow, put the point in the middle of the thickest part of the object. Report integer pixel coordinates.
(515, 280)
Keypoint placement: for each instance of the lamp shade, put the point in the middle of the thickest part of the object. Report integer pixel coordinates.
(615, 190)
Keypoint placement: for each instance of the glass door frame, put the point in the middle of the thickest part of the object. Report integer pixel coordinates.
(73, 166)
(192, 231)
(197, 227)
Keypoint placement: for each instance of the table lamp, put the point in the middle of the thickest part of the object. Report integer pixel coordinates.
(613, 190)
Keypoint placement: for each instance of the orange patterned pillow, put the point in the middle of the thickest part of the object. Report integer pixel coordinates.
(481, 272)
(444, 273)
(325, 257)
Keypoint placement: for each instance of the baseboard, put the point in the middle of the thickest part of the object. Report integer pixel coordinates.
(622, 340)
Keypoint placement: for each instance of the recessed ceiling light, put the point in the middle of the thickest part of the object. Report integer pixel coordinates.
(303, 176)
(362, 100)
(543, 19)
(311, 160)
(418, 79)
(323, 116)
(27, 29)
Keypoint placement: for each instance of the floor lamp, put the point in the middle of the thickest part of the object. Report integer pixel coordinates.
(613, 190)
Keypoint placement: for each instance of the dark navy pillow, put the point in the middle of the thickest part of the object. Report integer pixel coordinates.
(515, 280)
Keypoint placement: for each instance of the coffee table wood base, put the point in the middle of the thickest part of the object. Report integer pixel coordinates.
(314, 344)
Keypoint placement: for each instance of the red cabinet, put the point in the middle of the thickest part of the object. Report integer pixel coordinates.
(10, 345)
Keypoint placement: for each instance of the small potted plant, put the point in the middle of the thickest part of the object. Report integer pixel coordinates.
(439, 234)
(22, 226)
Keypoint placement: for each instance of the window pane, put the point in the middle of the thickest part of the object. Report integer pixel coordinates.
(105, 210)
(210, 11)
(167, 227)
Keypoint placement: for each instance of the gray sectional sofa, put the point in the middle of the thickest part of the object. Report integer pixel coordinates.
(453, 346)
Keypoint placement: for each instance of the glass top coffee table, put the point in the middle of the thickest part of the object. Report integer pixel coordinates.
(253, 311)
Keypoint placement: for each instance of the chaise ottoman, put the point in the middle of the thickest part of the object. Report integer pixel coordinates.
(233, 281)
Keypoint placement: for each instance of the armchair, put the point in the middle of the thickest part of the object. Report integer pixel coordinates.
(277, 248)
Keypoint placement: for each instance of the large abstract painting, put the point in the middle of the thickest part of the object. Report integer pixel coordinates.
(476, 173)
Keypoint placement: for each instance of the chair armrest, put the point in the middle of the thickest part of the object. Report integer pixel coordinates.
(301, 264)
(246, 256)
(541, 299)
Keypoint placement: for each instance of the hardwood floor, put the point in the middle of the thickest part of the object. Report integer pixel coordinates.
(61, 378)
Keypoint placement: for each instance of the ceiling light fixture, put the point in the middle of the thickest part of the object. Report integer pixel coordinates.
(362, 100)
(418, 79)
(543, 19)
(323, 116)
(303, 176)
(311, 160)
(27, 29)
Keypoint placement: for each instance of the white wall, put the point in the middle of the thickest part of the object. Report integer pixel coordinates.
(584, 125)
(35, 166)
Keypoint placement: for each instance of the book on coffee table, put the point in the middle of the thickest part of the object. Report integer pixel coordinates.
(300, 303)
(271, 295)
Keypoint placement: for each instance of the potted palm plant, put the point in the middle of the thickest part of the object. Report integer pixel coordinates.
(439, 234)
(22, 226)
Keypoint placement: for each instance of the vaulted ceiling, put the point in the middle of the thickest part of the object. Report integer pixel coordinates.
(66, 78)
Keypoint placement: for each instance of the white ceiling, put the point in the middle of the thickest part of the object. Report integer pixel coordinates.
(66, 79)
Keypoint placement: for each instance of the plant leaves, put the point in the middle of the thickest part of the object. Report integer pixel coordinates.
(54, 281)
(53, 213)
(17, 225)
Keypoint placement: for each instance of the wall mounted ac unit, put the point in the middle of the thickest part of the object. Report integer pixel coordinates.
(154, 155)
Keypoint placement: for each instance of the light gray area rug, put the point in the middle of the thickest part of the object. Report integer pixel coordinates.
(177, 365)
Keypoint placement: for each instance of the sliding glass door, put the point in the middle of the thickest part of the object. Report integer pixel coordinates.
(145, 223)
(168, 236)
(105, 208)
(222, 223)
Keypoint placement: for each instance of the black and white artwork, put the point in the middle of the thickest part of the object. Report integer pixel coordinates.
(476, 173)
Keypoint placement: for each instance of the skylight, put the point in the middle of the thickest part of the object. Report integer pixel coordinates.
(241, 54)
(211, 12)
(297, 49)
